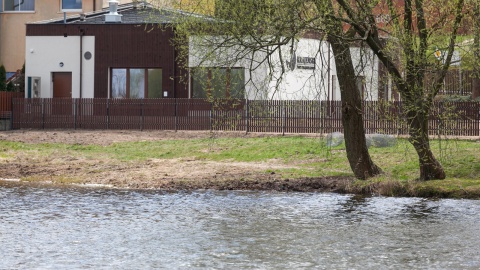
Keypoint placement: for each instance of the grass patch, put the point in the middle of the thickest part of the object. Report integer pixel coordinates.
(308, 157)
(260, 149)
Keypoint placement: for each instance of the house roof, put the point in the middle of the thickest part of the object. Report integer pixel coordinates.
(130, 15)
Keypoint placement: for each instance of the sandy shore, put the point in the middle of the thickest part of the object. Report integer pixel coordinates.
(166, 174)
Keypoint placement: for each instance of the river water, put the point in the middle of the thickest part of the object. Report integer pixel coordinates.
(87, 228)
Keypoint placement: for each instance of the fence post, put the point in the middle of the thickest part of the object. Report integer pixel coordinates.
(477, 112)
(320, 112)
(284, 120)
(142, 116)
(43, 113)
(108, 113)
(211, 115)
(11, 115)
(176, 115)
(246, 116)
(75, 113)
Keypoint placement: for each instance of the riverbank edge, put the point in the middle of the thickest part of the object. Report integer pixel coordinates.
(31, 172)
(340, 185)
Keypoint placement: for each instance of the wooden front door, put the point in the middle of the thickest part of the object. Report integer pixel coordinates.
(62, 84)
(62, 93)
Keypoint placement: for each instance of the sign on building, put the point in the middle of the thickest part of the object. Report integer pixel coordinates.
(301, 62)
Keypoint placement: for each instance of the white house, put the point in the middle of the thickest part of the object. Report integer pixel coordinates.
(305, 71)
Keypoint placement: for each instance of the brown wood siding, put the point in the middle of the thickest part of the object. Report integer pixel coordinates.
(124, 46)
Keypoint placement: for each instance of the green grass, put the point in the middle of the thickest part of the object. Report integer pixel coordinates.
(309, 157)
(260, 149)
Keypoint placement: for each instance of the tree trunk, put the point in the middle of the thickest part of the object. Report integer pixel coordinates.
(430, 167)
(352, 115)
(476, 52)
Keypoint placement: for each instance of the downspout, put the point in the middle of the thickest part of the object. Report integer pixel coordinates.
(173, 62)
(94, 5)
(82, 32)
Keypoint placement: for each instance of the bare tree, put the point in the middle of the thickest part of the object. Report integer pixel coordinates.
(411, 30)
(476, 50)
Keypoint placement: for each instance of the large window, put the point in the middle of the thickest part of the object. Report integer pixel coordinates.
(73, 5)
(136, 83)
(19, 5)
(218, 83)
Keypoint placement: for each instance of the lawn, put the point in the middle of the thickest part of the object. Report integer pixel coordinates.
(302, 157)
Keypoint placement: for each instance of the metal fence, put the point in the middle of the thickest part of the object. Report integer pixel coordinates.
(277, 116)
(457, 82)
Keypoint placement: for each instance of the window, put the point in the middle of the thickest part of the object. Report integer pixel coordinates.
(19, 5)
(71, 5)
(136, 83)
(218, 83)
(154, 83)
(33, 87)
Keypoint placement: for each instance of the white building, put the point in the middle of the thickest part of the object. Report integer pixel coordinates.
(305, 71)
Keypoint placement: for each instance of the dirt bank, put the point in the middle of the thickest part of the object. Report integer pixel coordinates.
(168, 174)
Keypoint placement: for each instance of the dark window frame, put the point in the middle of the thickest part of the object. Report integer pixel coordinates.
(21, 2)
(127, 80)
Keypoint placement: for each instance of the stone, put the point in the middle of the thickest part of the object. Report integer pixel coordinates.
(334, 139)
(382, 140)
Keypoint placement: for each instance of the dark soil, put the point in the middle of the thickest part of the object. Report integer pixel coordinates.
(176, 174)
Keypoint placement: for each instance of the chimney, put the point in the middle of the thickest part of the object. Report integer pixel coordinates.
(113, 16)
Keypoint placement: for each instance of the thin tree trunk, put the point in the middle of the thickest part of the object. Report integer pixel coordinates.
(352, 115)
(476, 52)
(430, 167)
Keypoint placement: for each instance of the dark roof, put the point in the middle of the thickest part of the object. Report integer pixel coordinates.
(130, 15)
(134, 16)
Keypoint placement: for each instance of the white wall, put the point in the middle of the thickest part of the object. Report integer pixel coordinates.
(318, 84)
(271, 81)
(44, 54)
(366, 64)
(295, 82)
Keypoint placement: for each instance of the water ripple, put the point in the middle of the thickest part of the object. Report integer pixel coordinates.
(87, 228)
